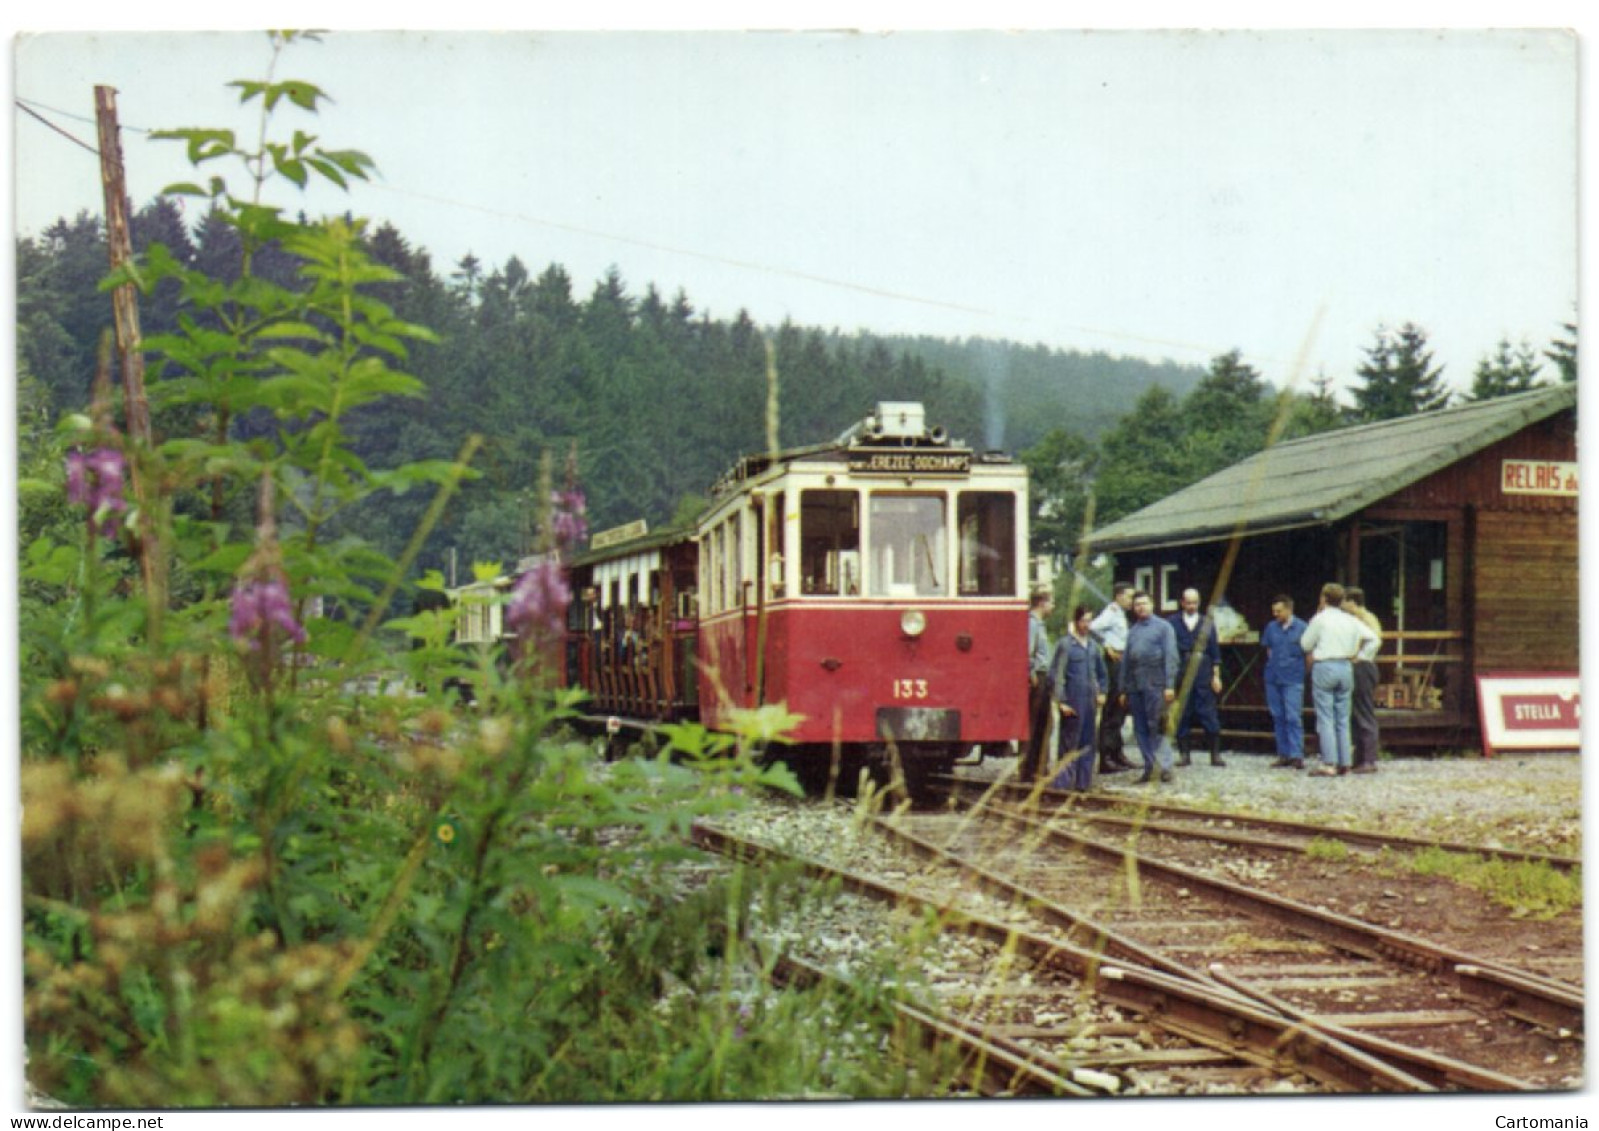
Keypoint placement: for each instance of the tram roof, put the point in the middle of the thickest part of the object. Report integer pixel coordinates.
(1324, 478)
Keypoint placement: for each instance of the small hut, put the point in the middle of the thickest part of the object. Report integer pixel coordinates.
(1460, 525)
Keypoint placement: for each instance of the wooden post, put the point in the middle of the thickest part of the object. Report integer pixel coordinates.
(124, 300)
(125, 306)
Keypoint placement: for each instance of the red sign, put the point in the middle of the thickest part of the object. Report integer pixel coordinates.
(1530, 711)
(1540, 712)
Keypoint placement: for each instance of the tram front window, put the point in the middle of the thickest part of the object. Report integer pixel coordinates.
(830, 542)
(907, 546)
(987, 524)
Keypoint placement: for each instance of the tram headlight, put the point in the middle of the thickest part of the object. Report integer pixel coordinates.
(912, 623)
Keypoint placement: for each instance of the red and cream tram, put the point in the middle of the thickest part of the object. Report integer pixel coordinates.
(875, 585)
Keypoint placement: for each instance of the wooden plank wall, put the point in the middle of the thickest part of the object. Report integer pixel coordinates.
(1525, 582)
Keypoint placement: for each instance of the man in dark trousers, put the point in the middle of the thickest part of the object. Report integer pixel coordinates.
(1363, 705)
(1038, 687)
(1199, 650)
(1110, 629)
(1149, 685)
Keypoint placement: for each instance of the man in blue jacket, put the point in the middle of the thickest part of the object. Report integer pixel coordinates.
(1149, 684)
(1285, 682)
(1198, 648)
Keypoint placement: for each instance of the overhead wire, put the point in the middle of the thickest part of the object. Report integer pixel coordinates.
(32, 113)
(27, 107)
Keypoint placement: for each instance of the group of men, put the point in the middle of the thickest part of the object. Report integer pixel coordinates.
(1339, 646)
(1131, 662)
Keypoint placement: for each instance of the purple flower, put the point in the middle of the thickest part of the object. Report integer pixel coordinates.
(97, 480)
(77, 478)
(258, 606)
(538, 603)
(570, 525)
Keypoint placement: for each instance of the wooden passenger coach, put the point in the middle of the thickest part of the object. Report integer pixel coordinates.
(1461, 526)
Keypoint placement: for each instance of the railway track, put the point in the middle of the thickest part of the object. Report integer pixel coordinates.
(1349, 871)
(1225, 1016)
(1073, 1016)
(1458, 1021)
(1116, 810)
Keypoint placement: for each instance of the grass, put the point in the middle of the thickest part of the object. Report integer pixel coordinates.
(1528, 889)
(1321, 848)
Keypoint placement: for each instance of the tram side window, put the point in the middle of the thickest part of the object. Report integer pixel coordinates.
(908, 546)
(987, 523)
(830, 542)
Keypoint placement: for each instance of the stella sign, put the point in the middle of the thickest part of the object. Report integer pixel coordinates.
(1531, 711)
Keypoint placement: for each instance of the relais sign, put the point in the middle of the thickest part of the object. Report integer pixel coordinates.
(1532, 711)
(1538, 477)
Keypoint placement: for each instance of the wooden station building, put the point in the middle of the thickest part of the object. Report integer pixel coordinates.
(1460, 525)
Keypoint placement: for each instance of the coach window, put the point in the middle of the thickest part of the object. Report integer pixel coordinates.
(774, 544)
(907, 545)
(987, 524)
(830, 542)
(716, 570)
(735, 560)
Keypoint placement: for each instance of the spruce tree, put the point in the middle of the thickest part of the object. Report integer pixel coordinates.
(1507, 371)
(1398, 377)
(1563, 352)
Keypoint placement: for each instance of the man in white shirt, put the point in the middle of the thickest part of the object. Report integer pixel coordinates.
(1110, 629)
(1331, 644)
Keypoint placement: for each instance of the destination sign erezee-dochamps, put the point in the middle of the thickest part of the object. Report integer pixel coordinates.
(910, 463)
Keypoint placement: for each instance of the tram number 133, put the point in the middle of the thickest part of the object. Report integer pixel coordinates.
(910, 689)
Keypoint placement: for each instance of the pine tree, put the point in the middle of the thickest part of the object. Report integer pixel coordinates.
(1315, 412)
(1229, 414)
(1506, 371)
(1563, 352)
(1145, 457)
(1397, 376)
(1060, 472)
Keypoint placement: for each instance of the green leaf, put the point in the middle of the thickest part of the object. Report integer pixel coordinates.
(226, 561)
(329, 639)
(293, 330)
(290, 167)
(328, 170)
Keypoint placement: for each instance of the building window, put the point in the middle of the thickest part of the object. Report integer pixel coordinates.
(1144, 580)
(987, 524)
(1169, 593)
(907, 546)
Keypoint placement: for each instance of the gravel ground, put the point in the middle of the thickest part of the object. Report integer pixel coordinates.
(1526, 801)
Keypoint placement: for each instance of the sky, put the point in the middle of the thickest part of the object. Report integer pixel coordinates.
(1158, 194)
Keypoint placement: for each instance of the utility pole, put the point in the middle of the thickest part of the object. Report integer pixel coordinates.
(124, 300)
(125, 306)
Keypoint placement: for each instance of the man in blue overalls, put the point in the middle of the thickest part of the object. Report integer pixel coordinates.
(1199, 648)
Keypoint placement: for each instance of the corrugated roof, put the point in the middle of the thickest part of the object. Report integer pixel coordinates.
(1323, 478)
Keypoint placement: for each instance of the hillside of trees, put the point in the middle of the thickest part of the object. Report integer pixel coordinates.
(657, 398)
